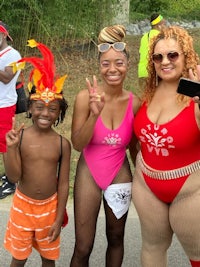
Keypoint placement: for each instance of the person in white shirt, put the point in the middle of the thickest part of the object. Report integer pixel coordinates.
(8, 97)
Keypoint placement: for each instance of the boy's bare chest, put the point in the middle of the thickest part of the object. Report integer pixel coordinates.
(37, 150)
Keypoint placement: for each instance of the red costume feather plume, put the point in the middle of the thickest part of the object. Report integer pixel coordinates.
(43, 75)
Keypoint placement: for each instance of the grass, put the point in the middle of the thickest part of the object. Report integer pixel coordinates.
(79, 64)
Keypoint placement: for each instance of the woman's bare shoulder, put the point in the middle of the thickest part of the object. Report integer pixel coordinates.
(82, 93)
(136, 103)
(82, 97)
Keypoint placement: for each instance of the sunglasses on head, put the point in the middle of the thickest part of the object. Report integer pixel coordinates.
(118, 46)
(171, 56)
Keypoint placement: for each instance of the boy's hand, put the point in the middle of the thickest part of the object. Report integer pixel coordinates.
(54, 232)
(13, 136)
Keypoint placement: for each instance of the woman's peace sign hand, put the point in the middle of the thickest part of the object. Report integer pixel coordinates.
(96, 101)
(13, 136)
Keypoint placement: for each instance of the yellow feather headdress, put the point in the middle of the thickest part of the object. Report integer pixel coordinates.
(48, 87)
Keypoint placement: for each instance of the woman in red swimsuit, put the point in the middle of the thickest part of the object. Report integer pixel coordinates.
(166, 186)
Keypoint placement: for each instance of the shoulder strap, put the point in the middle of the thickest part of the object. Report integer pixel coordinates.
(60, 159)
(20, 141)
(60, 148)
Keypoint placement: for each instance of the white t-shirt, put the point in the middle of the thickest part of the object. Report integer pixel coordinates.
(8, 95)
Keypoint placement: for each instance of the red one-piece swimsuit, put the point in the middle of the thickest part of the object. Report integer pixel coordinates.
(168, 146)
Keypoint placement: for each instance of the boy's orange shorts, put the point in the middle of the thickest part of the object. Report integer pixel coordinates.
(28, 226)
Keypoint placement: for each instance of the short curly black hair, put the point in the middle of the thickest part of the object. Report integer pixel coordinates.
(62, 103)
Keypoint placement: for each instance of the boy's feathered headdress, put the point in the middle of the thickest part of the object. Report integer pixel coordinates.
(48, 87)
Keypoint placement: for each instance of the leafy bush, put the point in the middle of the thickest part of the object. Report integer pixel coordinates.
(55, 22)
(176, 9)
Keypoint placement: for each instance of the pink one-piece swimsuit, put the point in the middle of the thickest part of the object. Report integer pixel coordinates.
(106, 151)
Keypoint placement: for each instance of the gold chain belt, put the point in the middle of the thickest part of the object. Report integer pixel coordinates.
(169, 174)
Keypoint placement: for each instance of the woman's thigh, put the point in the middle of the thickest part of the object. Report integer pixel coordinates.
(153, 213)
(185, 221)
(87, 201)
(114, 226)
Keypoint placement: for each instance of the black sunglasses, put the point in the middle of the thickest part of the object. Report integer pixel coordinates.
(171, 56)
(118, 46)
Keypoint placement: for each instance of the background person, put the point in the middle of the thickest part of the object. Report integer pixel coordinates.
(157, 23)
(38, 159)
(8, 98)
(166, 184)
(102, 131)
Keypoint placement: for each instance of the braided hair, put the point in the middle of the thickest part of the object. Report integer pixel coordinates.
(113, 34)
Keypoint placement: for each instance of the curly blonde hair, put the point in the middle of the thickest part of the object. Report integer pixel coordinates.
(185, 42)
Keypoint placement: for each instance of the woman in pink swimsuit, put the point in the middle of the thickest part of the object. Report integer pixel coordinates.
(166, 187)
(102, 131)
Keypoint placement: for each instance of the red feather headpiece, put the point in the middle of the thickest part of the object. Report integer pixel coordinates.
(43, 75)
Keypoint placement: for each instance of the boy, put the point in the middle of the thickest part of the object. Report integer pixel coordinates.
(38, 159)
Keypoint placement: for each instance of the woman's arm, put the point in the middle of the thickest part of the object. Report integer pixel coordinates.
(133, 147)
(83, 121)
(88, 106)
(136, 104)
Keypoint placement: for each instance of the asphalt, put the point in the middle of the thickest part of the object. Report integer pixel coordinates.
(176, 256)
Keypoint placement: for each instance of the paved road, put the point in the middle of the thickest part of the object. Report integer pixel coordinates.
(176, 256)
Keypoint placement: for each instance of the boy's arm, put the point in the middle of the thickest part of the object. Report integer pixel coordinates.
(63, 182)
(13, 164)
(63, 189)
(12, 156)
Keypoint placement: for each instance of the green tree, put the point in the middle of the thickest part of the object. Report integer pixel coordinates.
(59, 19)
(148, 6)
